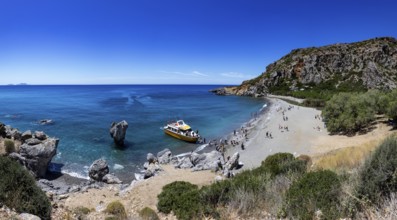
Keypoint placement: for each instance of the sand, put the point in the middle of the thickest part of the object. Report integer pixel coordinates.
(306, 134)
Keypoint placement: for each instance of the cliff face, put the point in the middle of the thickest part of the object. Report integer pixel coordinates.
(368, 64)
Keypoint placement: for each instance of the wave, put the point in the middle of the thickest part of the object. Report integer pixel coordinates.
(75, 174)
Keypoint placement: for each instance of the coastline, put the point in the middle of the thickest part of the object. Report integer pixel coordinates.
(305, 135)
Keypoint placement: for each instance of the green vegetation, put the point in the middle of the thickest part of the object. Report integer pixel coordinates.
(352, 112)
(117, 210)
(281, 186)
(378, 178)
(9, 146)
(267, 182)
(314, 191)
(148, 214)
(282, 163)
(80, 212)
(18, 190)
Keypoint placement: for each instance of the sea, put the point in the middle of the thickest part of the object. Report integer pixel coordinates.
(82, 114)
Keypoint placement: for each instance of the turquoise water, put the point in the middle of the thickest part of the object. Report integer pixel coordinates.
(82, 116)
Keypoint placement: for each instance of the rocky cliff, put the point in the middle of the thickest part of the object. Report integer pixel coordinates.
(353, 66)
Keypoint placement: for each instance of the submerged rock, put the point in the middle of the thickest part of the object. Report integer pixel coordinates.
(118, 131)
(98, 170)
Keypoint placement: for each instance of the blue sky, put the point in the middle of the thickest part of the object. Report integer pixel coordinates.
(172, 41)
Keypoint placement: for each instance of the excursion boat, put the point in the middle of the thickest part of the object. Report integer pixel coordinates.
(182, 131)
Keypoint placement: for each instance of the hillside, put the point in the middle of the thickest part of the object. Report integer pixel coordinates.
(316, 72)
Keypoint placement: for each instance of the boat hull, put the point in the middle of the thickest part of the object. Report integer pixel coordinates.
(181, 137)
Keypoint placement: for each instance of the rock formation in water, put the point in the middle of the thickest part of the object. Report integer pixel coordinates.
(118, 131)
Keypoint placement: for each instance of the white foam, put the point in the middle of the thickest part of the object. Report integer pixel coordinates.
(75, 174)
(200, 148)
(118, 167)
(138, 176)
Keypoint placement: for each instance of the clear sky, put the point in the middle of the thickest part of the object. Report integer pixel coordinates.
(172, 41)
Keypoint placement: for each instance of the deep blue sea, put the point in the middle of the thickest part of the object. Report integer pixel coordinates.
(82, 117)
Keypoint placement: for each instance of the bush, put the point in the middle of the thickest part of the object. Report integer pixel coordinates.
(117, 209)
(182, 198)
(18, 190)
(314, 191)
(148, 214)
(282, 163)
(9, 146)
(378, 178)
(80, 212)
(348, 113)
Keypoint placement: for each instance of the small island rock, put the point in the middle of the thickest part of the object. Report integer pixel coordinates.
(118, 131)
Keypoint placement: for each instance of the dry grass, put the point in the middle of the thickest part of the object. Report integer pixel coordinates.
(345, 159)
(388, 210)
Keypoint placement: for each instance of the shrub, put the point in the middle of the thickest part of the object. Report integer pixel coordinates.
(182, 198)
(18, 190)
(348, 113)
(9, 146)
(148, 214)
(315, 190)
(378, 178)
(282, 163)
(117, 209)
(81, 211)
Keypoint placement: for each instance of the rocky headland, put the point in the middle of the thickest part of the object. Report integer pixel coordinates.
(369, 64)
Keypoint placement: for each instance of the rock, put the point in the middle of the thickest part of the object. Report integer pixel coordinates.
(218, 178)
(111, 179)
(26, 135)
(32, 141)
(45, 121)
(12, 133)
(151, 158)
(27, 216)
(63, 196)
(40, 135)
(184, 163)
(164, 156)
(74, 189)
(17, 157)
(233, 162)
(98, 169)
(118, 131)
(146, 165)
(148, 173)
(2, 130)
(39, 156)
(207, 161)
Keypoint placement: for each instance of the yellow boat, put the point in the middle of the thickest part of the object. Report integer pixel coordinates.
(182, 131)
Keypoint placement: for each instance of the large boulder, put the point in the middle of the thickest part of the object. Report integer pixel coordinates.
(164, 156)
(184, 163)
(207, 161)
(98, 170)
(152, 170)
(38, 156)
(118, 131)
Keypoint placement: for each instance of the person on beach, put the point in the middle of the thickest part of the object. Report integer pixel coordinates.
(242, 146)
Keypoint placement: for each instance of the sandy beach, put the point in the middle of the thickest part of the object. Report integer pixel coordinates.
(306, 134)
